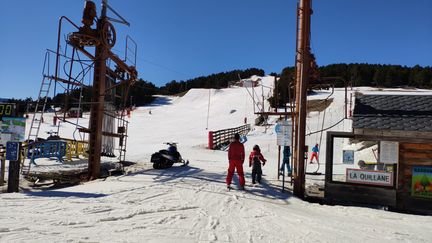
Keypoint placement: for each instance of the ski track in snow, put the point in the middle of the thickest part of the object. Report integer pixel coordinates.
(192, 204)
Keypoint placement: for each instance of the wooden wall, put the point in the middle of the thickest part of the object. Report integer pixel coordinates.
(410, 155)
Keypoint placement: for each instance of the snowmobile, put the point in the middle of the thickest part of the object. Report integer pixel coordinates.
(165, 158)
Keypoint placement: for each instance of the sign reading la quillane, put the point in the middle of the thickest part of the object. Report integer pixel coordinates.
(379, 178)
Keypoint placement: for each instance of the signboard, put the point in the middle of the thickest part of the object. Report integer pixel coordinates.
(15, 126)
(283, 131)
(12, 151)
(4, 137)
(7, 109)
(389, 152)
(348, 157)
(369, 177)
(421, 182)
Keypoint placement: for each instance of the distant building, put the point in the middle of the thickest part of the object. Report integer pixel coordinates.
(75, 112)
(252, 82)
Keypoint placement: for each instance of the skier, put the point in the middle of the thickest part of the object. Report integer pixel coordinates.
(255, 159)
(285, 161)
(236, 156)
(315, 152)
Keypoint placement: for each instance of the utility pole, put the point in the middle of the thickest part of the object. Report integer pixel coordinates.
(303, 69)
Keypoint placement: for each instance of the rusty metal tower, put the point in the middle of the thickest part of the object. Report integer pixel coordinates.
(305, 65)
(103, 38)
(110, 84)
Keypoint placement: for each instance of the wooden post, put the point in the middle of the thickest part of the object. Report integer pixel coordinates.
(210, 140)
(2, 170)
(2, 165)
(14, 173)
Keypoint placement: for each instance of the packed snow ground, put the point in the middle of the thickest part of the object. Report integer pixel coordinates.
(191, 204)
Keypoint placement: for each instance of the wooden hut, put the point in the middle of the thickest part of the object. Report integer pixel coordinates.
(401, 127)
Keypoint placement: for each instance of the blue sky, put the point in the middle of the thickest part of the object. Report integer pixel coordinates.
(178, 40)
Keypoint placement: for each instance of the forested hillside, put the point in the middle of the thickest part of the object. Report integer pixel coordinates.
(374, 75)
(216, 81)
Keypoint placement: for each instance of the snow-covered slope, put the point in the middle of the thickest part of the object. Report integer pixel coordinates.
(191, 204)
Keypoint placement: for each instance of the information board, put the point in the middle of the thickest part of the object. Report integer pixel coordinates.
(15, 126)
(389, 152)
(283, 131)
(348, 157)
(4, 137)
(12, 151)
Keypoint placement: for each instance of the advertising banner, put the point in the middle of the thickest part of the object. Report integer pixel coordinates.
(15, 126)
(421, 183)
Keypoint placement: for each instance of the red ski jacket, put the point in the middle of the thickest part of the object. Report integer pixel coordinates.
(236, 152)
(256, 153)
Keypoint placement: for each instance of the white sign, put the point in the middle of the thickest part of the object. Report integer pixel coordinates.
(389, 152)
(369, 177)
(283, 130)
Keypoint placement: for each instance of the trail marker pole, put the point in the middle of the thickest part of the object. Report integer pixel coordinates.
(14, 156)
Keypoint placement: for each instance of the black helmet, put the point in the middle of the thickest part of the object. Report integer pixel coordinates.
(237, 136)
(256, 148)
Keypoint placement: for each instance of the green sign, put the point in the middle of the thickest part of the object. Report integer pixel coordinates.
(15, 126)
(421, 185)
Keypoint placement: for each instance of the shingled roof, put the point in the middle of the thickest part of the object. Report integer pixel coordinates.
(393, 112)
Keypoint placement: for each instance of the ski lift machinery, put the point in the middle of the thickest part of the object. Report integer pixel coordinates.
(109, 85)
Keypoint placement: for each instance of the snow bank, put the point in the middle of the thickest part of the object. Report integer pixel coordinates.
(191, 204)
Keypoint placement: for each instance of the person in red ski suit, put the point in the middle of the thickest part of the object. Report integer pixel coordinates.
(236, 156)
(255, 159)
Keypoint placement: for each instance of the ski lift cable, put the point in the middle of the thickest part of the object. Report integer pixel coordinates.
(326, 99)
(79, 108)
(252, 96)
(318, 121)
(246, 99)
(321, 135)
(327, 128)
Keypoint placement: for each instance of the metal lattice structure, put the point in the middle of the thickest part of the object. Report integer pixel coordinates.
(85, 64)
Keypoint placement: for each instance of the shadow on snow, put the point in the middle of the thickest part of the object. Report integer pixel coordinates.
(65, 194)
(264, 190)
(159, 101)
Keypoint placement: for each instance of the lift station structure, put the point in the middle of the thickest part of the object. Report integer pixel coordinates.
(88, 50)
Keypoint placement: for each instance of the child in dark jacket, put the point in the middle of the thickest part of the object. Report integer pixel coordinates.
(255, 159)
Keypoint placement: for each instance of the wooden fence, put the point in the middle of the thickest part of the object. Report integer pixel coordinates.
(217, 139)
